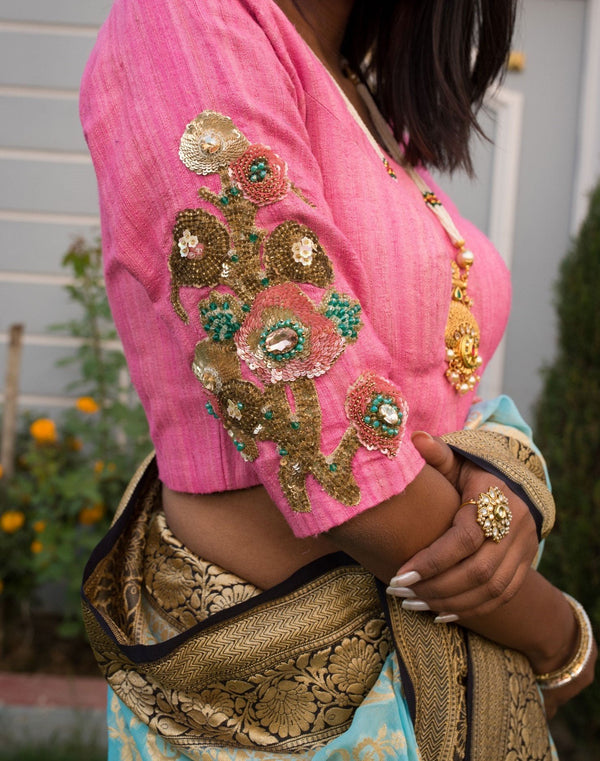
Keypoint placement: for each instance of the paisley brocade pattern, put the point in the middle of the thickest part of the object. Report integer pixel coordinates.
(257, 314)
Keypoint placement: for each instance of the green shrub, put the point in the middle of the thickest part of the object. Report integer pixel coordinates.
(568, 432)
(71, 470)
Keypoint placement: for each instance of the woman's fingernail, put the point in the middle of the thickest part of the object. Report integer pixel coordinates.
(423, 434)
(401, 591)
(415, 605)
(445, 618)
(405, 579)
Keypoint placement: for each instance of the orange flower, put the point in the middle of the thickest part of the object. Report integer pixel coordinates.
(88, 516)
(1, 586)
(39, 527)
(98, 467)
(36, 547)
(11, 521)
(75, 444)
(1, 471)
(43, 431)
(87, 405)
(111, 467)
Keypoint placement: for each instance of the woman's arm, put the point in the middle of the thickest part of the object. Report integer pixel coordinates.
(538, 620)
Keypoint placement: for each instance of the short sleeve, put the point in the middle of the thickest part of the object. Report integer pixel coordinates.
(237, 297)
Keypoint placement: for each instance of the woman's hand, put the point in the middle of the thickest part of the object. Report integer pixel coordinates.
(461, 574)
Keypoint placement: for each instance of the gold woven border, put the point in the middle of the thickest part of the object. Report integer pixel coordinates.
(513, 459)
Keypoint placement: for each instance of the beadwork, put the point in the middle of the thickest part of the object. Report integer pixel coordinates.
(267, 322)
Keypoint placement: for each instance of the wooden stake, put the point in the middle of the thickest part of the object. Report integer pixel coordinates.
(11, 400)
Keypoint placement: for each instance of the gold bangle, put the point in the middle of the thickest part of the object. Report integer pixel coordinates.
(554, 679)
(493, 513)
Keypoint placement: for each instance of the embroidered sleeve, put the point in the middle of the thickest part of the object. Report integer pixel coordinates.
(267, 342)
(243, 303)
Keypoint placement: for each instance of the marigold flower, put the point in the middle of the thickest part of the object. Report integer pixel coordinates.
(36, 547)
(87, 405)
(74, 443)
(43, 431)
(98, 467)
(88, 516)
(11, 521)
(39, 527)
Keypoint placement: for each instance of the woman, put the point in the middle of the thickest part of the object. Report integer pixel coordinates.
(256, 230)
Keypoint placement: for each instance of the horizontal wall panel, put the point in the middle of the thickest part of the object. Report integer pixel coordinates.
(35, 306)
(45, 186)
(42, 60)
(40, 123)
(39, 373)
(56, 11)
(37, 248)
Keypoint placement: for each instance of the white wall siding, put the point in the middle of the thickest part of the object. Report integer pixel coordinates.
(47, 190)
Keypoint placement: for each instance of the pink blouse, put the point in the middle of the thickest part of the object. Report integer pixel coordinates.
(281, 297)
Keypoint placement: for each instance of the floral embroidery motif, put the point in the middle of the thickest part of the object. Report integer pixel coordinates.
(261, 175)
(284, 337)
(378, 413)
(265, 320)
(211, 142)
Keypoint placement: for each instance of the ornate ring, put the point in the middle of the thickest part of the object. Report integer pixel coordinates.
(493, 514)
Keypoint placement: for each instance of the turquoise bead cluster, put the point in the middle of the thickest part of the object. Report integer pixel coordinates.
(344, 313)
(219, 321)
(233, 192)
(258, 170)
(279, 325)
(375, 419)
(211, 410)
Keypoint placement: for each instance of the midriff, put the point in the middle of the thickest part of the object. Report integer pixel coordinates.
(243, 532)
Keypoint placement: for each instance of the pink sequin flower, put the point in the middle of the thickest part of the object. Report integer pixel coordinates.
(379, 413)
(261, 175)
(284, 338)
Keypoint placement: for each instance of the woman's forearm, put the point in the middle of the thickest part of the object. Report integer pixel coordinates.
(538, 622)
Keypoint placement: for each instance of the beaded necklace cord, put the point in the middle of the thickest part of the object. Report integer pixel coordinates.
(462, 332)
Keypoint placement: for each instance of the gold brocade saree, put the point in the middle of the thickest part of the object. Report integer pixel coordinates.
(206, 660)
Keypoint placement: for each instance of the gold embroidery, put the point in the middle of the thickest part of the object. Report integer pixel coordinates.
(265, 319)
(286, 674)
(515, 460)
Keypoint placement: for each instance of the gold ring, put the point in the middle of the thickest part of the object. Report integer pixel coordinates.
(493, 513)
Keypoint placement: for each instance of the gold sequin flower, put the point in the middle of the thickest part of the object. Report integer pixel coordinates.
(284, 337)
(379, 412)
(261, 175)
(210, 143)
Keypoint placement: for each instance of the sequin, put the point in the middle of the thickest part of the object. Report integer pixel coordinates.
(211, 142)
(378, 412)
(261, 175)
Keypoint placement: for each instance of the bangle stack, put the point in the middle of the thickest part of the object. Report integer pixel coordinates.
(554, 679)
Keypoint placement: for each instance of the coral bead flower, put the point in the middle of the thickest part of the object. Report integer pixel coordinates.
(87, 405)
(43, 431)
(284, 337)
(261, 175)
(379, 413)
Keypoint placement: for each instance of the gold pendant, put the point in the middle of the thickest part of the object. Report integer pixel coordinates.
(462, 337)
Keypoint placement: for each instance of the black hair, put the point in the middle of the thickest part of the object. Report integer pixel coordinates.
(428, 64)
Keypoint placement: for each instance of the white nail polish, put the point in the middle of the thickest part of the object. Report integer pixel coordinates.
(405, 579)
(445, 618)
(401, 591)
(415, 605)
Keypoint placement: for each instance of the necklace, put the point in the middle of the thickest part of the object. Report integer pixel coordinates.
(462, 332)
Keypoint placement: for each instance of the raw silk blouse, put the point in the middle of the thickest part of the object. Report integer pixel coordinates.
(281, 296)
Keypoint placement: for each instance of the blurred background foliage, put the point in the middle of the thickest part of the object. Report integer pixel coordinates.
(568, 433)
(71, 468)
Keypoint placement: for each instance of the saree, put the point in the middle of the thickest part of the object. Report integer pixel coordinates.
(203, 665)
